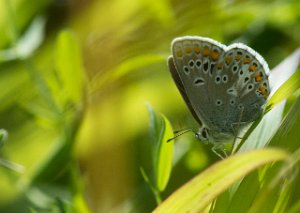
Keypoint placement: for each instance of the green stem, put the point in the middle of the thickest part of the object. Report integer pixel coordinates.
(157, 196)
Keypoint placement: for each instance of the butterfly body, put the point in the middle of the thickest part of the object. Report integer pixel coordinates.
(225, 87)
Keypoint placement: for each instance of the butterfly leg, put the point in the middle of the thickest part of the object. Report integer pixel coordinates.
(219, 150)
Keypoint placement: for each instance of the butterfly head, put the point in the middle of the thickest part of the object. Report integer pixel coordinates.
(203, 134)
(208, 136)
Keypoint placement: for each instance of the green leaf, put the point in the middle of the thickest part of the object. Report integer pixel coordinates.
(286, 90)
(195, 195)
(244, 195)
(284, 80)
(68, 63)
(287, 136)
(278, 184)
(161, 131)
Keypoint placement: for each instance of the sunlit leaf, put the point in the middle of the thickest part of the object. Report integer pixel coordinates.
(287, 136)
(195, 195)
(161, 129)
(283, 71)
(68, 63)
(286, 90)
(277, 184)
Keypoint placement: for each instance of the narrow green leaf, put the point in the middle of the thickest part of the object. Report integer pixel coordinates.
(221, 204)
(281, 184)
(165, 155)
(68, 63)
(161, 131)
(244, 195)
(195, 195)
(283, 71)
(278, 184)
(145, 176)
(286, 90)
(287, 136)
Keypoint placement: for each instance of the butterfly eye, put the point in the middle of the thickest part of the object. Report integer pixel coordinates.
(204, 133)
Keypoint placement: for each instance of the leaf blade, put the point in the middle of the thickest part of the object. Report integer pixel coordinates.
(209, 184)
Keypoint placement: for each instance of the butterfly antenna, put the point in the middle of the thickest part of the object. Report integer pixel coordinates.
(178, 133)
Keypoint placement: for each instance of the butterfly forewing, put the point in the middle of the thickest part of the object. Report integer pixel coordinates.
(181, 88)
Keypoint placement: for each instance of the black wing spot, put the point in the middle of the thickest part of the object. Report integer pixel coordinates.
(198, 63)
(205, 66)
(235, 68)
(217, 79)
(186, 69)
(250, 86)
(212, 66)
(191, 63)
(246, 79)
(240, 106)
(230, 91)
(199, 81)
(241, 72)
(219, 102)
(225, 78)
(232, 101)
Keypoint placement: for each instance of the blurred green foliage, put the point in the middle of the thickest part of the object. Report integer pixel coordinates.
(73, 101)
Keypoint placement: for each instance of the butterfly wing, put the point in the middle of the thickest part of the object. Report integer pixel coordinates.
(194, 62)
(247, 87)
(181, 88)
(223, 87)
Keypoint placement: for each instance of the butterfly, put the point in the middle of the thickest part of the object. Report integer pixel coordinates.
(224, 87)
